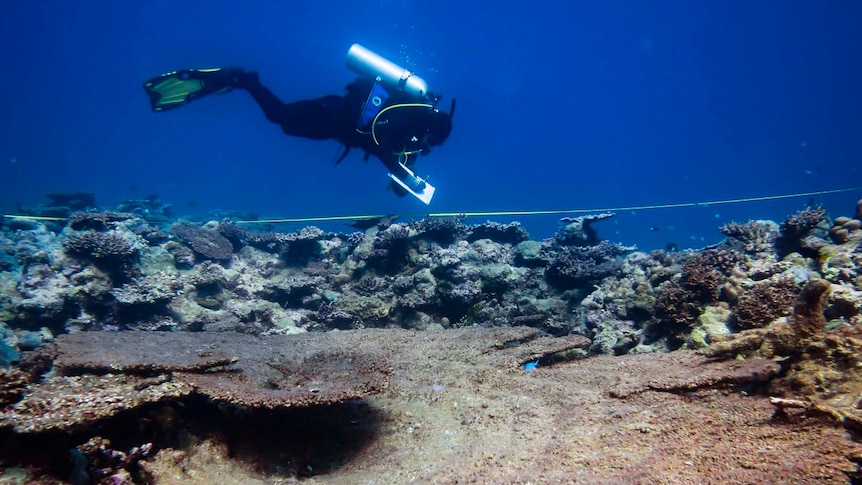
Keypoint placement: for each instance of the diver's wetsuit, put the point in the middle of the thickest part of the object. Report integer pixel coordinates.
(326, 117)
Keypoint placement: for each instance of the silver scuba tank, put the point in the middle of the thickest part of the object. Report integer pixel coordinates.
(366, 63)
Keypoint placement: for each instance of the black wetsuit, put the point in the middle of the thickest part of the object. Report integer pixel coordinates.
(332, 117)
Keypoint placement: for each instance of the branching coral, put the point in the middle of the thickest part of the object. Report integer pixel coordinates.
(13, 384)
(111, 466)
(765, 302)
(704, 273)
(804, 330)
(389, 249)
(677, 308)
(796, 228)
(754, 237)
(444, 231)
(110, 247)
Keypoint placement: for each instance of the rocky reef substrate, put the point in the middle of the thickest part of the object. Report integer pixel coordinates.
(431, 350)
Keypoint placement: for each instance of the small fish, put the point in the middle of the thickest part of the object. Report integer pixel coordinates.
(531, 366)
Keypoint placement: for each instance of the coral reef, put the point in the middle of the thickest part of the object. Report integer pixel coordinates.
(261, 331)
(113, 270)
(107, 465)
(579, 231)
(766, 301)
(207, 243)
(754, 237)
(581, 267)
(822, 363)
(798, 233)
(109, 248)
(511, 233)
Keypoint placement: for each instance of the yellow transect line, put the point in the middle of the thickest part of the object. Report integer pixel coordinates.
(34, 218)
(566, 211)
(509, 213)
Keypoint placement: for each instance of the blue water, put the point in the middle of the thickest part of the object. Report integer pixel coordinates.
(561, 105)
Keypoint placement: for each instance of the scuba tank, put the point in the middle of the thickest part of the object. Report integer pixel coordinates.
(366, 63)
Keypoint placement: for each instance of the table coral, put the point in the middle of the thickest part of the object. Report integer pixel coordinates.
(583, 266)
(100, 374)
(205, 242)
(512, 233)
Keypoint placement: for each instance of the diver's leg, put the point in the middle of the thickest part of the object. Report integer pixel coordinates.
(319, 118)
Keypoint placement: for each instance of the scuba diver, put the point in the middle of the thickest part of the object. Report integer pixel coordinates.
(388, 112)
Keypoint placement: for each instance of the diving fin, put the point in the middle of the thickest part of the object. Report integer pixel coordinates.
(176, 88)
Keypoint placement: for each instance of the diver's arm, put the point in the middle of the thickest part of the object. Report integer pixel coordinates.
(393, 161)
(397, 164)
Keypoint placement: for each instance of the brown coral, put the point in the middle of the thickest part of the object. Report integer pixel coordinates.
(511, 233)
(821, 364)
(796, 229)
(146, 367)
(207, 243)
(755, 237)
(808, 320)
(765, 302)
(109, 247)
(443, 230)
(676, 306)
(790, 339)
(13, 383)
(803, 222)
(704, 273)
(69, 402)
